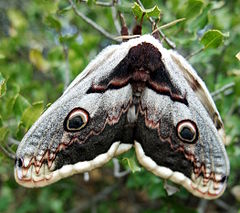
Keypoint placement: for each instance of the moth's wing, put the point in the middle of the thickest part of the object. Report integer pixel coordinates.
(201, 166)
(49, 151)
(200, 89)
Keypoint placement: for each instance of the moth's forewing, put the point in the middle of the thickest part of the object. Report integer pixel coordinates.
(49, 152)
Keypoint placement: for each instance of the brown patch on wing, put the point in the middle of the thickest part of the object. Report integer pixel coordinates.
(142, 67)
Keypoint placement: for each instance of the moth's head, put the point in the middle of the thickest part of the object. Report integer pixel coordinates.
(47, 145)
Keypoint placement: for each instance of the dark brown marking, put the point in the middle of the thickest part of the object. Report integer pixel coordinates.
(142, 67)
(95, 144)
(141, 75)
(165, 152)
(124, 31)
(217, 122)
(156, 35)
(194, 84)
(137, 30)
(164, 90)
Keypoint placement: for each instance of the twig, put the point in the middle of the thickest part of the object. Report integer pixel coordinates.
(116, 169)
(194, 53)
(99, 3)
(222, 89)
(7, 153)
(115, 18)
(95, 199)
(122, 19)
(202, 206)
(12, 141)
(94, 208)
(127, 37)
(224, 206)
(168, 24)
(104, 193)
(92, 23)
(169, 43)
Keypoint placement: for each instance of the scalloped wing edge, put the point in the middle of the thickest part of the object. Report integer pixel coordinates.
(80, 167)
(177, 177)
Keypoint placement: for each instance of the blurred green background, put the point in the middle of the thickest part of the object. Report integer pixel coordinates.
(42, 39)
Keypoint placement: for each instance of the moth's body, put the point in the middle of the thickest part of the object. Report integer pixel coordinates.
(133, 94)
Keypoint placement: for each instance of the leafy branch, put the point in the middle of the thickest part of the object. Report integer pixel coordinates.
(169, 42)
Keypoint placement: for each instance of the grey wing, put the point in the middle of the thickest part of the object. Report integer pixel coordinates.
(181, 140)
(81, 131)
(200, 89)
(200, 165)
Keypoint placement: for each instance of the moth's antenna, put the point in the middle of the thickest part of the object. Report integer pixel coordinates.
(155, 34)
(137, 30)
(124, 30)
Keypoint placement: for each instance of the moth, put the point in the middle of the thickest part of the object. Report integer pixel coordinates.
(133, 95)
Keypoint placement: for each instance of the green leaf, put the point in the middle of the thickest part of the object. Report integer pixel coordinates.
(1, 121)
(17, 18)
(153, 12)
(35, 56)
(10, 103)
(64, 10)
(213, 39)
(194, 8)
(48, 105)
(67, 39)
(53, 23)
(138, 11)
(201, 20)
(156, 190)
(3, 133)
(20, 105)
(132, 164)
(2, 56)
(237, 86)
(91, 2)
(7, 197)
(31, 114)
(3, 86)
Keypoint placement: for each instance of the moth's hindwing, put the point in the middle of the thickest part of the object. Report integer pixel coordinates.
(133, 94)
